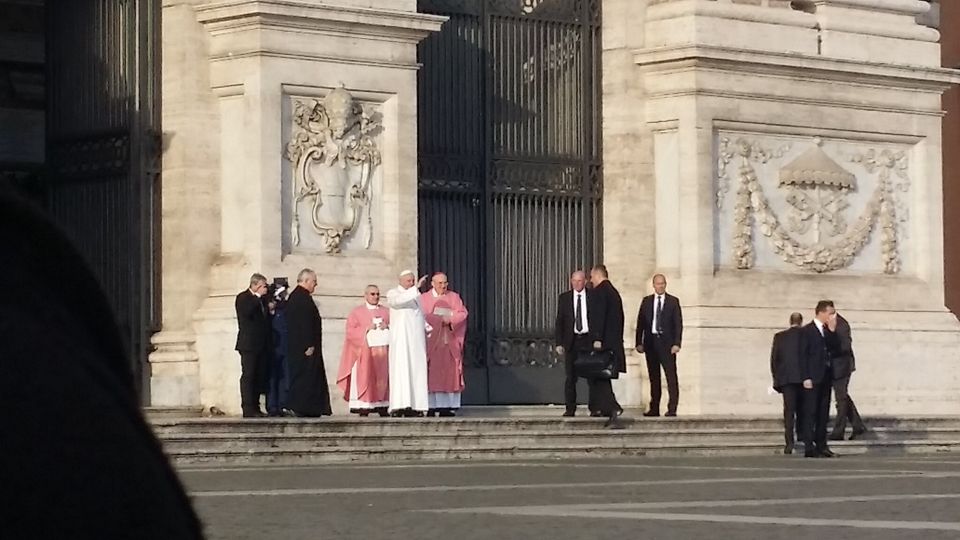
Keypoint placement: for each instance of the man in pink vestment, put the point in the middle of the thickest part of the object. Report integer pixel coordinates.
(446, 318)
(364, 369)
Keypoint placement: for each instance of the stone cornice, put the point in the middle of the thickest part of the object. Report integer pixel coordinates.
(930, 79)
(301, 16)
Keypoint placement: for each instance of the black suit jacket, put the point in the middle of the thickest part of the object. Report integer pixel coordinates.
(844, 362)
(253, 321)
(304, 326)
(818, 352)
(672, 320)
(613, 326)
(596, 318)
(786, 356)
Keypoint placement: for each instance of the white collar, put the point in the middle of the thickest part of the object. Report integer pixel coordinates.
(434, 293)
(370, 306)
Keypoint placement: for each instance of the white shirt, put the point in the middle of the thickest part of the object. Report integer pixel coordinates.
(662, 299)
(819, 326)
(583, 312)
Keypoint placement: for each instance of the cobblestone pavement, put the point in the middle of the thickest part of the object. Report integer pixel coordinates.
(850, 497)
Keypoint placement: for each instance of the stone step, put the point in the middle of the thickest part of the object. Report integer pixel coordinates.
(627, 437)
(410, 426)
(324, 455)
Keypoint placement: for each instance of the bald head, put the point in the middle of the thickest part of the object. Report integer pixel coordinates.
(440, 283)
(578, 280)
(659, 283)
(796, 319)
(372, 295)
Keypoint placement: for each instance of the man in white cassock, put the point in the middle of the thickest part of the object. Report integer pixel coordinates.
(408, 348)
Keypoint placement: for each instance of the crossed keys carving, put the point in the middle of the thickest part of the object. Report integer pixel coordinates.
(818, 209)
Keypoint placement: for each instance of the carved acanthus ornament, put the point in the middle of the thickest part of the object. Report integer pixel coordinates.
(334, 154)
(816, 192)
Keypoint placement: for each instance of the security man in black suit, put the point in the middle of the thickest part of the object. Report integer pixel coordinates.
(844, 364)
(581, 325)
(253, 344)
(659, 333)
(785, 367)
(819, 347)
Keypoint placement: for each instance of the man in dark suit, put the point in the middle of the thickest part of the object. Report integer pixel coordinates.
(581, 326)
(819, 344)
(785, 367)
(253, 344)
(844, 364)
(601, 390)
(659, 333)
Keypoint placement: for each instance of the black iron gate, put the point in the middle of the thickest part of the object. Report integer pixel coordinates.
(102, 174)
(510, 177)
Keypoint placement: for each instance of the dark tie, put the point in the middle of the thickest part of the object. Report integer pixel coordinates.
(578, 324)
(659, 314)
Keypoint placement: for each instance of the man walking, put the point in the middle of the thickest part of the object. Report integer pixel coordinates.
(253, 344)
(659, 334)
(785, 367)
(844, 364)
(603, 399)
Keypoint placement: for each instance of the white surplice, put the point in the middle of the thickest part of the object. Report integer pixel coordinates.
(408, 350)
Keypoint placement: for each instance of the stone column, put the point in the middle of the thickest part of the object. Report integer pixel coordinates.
(795, 156)
(190, 210)
(333, 82)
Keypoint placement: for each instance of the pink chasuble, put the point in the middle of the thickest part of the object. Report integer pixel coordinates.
(444, 345)
(373, 368)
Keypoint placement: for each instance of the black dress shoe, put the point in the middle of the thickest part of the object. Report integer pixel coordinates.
(788, 449)
(569, 414)
(827, 453)
(289, 413)
(651, 413)
(595, 414)
(810, 453)
(671, 414)
(857, 433)
(614, 423)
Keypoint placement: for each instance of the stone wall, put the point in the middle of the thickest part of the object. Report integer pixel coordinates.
(795, 156)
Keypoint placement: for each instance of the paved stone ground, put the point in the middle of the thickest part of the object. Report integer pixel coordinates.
(851, 497)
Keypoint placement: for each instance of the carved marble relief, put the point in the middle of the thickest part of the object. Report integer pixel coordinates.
(817, 210)
(334, 155)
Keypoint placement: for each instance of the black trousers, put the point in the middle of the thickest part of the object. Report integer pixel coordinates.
(846, 409)
(657, 352)
(792, 412)
(602, 398)
(253, 367)
(816, 408)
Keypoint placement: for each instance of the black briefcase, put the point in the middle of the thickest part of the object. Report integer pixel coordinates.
(595, 365)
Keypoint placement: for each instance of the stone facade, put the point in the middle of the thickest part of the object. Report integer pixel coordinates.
(236, 75)
(763, 154)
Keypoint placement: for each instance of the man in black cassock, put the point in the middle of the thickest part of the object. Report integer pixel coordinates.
(309, 395)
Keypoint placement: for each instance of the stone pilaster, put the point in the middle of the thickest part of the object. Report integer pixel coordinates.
(262, 60)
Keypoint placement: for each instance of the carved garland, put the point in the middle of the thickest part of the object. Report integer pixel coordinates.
(753, 206)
